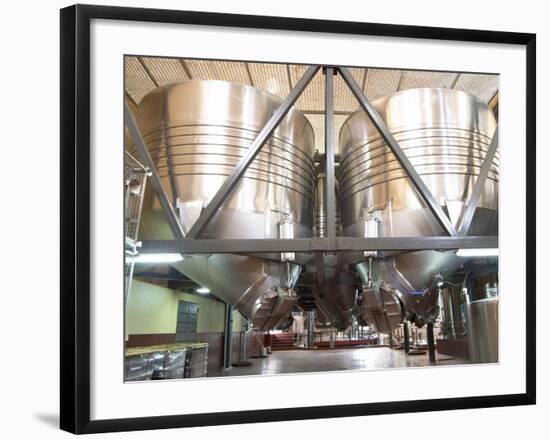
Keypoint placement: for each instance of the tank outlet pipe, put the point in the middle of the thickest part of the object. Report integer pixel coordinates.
(372, 230)
(286, 231)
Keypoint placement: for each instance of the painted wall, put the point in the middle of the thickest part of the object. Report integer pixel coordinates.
(152, 309)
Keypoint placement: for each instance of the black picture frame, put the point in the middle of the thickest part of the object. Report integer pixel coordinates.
(75, 217)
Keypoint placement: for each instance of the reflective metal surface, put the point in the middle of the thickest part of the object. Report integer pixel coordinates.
(483, 330)
(196, 132)
(452, 315)
(381, 309)
(445, 134)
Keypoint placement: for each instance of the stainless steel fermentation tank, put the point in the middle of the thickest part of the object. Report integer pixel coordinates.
(482, 317)
(196, 132)
(445, 135)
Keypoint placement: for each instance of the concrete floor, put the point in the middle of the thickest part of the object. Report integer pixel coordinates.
(325, 360)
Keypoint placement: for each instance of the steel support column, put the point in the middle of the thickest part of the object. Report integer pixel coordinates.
(231, 181)
(401, 157)
(468, 215)
(431, 341)
(407, 344)
(330, 188)
(156, 184)
(227, 336)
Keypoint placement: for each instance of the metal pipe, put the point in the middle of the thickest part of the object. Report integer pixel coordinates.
(431, 341)
(402, 158)
(156, 184)
(330, 204)
(232, 180)
(227, 336)
(478, 186)
(406, 340)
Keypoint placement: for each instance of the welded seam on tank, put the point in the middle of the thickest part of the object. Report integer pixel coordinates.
(464, 160)
(266, 158)
(307, 195)
(165, 169)
(273, 141)
(291, 174)
(346, 197)
(310, 196)
(236, 126)
(252, 176)
(398, 168)
(454, 159)
(289, 149)
(345, 193)
(403, 135)
(161, 156)
(213, 158)
(369, 147)
(351, 149)
(444, 150)
(441, 149)
(420, 154)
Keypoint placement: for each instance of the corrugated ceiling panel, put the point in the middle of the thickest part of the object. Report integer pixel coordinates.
(138, 82)
(482, 86)
(381, 82)
(313, 97)
(165, 70)
(272, 78)
(343, 97)
(415, 79)
(224, 70)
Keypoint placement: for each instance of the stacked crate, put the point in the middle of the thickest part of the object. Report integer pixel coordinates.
(144, 367)
(176, 361)
(197, 362)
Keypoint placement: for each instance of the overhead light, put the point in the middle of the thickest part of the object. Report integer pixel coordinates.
(158, 258)
(202, 290)
(472, 252)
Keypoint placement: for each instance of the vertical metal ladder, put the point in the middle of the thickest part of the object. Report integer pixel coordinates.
(135, 180)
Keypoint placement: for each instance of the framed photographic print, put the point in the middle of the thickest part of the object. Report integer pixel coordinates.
(331, 212)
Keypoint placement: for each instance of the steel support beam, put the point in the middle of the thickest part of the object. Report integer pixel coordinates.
(431, 342)
(231, 181)
(406, 341)
(228, 331)
(401, 157)
(330, 188)
(468, 215)
(307, 245)
(156, 184)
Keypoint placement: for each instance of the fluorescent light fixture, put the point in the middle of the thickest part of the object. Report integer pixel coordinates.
(472, 252)
(203, 290)
(158, 258)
